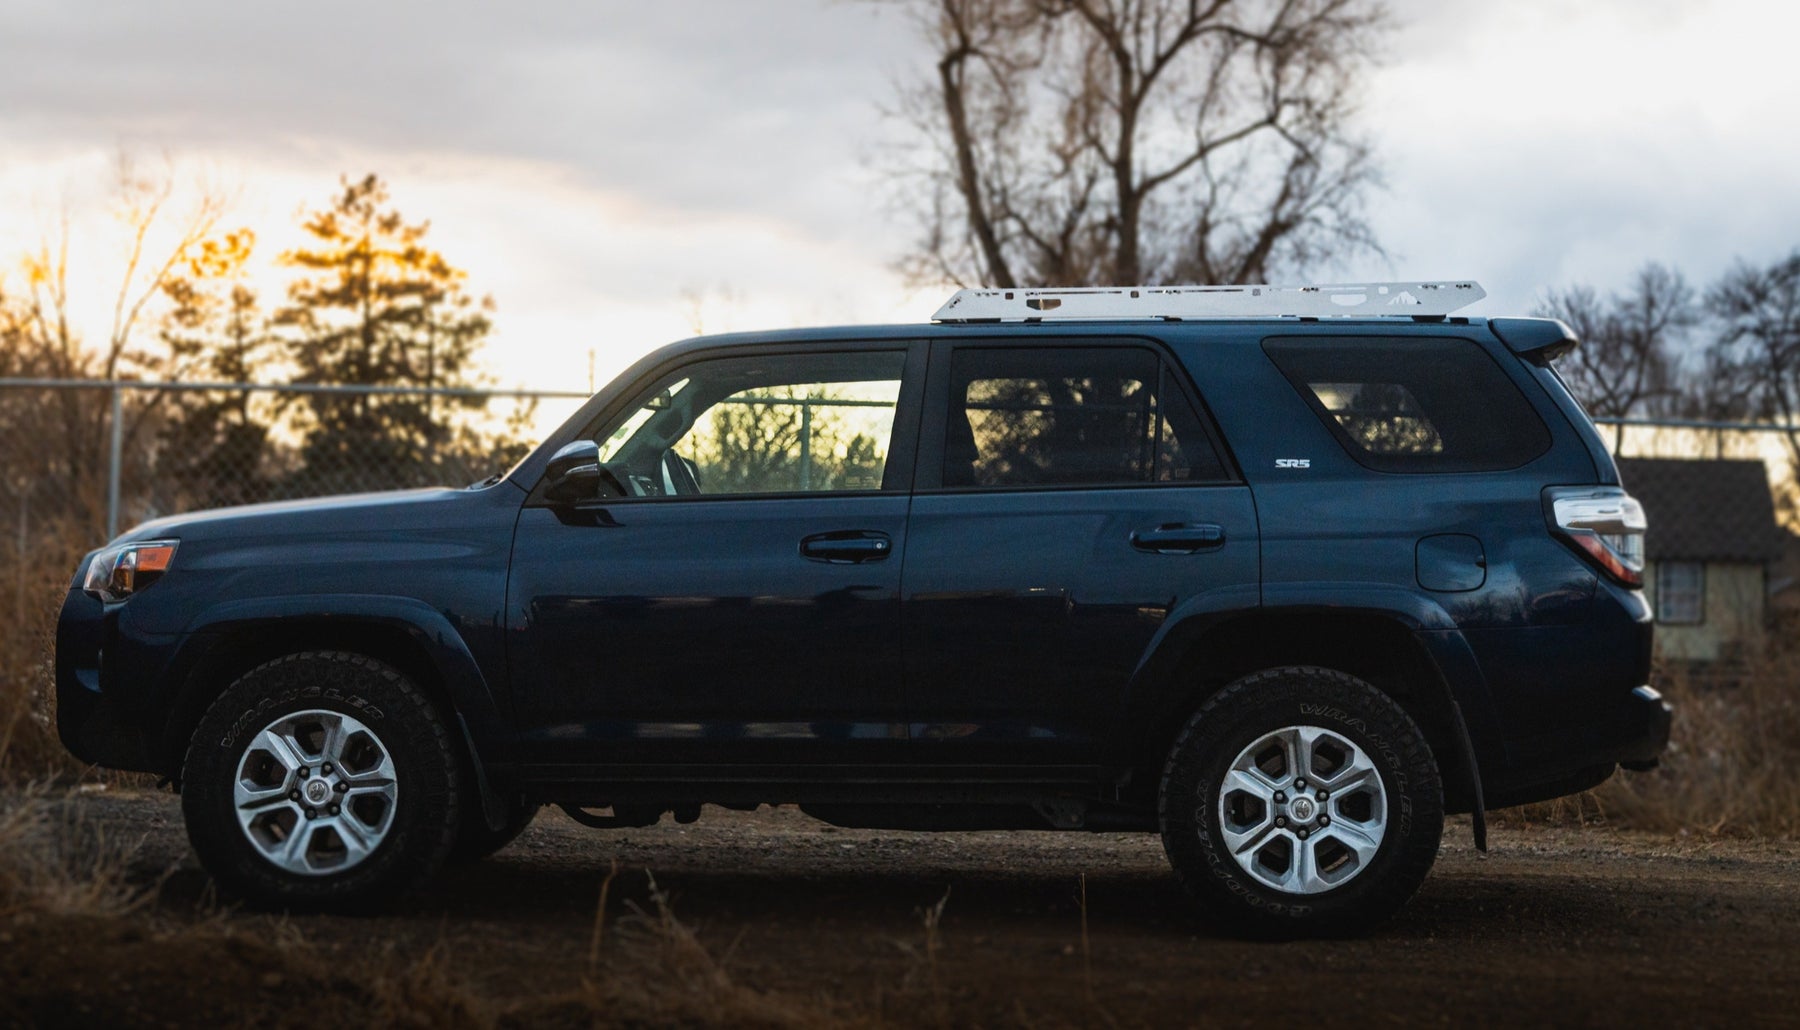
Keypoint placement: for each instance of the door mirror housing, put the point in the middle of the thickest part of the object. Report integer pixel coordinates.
(576, 473)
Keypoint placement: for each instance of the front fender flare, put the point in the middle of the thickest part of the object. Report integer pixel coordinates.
(482, 723)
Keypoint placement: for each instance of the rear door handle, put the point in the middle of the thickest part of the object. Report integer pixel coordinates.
(1180, 538)
(847, 547)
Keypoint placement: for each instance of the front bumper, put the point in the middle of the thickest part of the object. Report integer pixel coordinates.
(99, 716)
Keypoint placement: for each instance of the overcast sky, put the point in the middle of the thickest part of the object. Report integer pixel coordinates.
(589, 161)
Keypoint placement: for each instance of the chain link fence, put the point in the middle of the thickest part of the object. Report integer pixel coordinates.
(106, 455)
(82, 460)
(99, 456)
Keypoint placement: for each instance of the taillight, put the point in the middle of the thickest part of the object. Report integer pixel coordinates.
(1605, 525)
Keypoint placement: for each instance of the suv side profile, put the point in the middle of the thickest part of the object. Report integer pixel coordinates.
(1280, 580)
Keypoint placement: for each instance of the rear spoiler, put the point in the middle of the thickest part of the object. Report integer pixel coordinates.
(1538, 340)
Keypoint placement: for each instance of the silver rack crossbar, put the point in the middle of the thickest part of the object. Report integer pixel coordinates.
(1358, 300)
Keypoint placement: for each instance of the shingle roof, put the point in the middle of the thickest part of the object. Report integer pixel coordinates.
(1709, 510)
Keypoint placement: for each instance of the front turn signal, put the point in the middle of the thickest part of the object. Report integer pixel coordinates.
(118, 572)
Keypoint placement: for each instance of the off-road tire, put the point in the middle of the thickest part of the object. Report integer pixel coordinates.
(1188, 803)
(409, 725)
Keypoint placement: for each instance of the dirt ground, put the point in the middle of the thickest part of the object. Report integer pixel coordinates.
(1555, 927)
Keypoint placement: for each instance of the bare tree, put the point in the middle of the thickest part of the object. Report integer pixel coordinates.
(1757, 350)
(1137, 141)
(215, 328)
(67, 430)
(1627, 362)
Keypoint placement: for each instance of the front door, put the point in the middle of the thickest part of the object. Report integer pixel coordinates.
(740, 606)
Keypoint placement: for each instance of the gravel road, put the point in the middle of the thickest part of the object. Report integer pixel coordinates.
(1557, 927)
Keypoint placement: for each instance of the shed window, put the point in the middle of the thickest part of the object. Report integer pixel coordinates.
(1680, 592)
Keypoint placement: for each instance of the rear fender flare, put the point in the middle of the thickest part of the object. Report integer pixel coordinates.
(1160, 685)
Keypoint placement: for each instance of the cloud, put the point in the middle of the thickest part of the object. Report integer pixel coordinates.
(588, 161)
(1537, 143)
(697, 105)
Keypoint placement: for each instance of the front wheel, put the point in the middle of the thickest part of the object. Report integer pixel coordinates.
(1301, 802)
(321, 780)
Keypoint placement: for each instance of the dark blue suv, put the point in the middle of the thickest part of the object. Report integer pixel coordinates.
(1284, 588)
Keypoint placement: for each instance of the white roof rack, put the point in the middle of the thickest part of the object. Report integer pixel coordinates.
(1345, 299)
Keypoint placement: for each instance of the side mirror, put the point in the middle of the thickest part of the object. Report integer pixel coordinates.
(575, 473)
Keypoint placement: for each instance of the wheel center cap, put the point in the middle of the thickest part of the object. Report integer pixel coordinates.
(317, 791)
(1302, 809)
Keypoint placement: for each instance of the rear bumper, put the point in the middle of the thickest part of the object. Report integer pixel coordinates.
(1657, 716)
(1634, 733)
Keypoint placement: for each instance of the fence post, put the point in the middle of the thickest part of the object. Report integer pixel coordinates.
(806, 406)
(117, 457)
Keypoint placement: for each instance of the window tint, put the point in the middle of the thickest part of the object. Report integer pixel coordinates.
(1069, 417)
(1414, 405)
(1184, 452)
(782, 424)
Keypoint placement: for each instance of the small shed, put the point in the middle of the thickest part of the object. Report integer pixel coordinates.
(1712, 540)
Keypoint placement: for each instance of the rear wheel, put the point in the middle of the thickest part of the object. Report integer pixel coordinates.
(1301, 802)
(320, 780)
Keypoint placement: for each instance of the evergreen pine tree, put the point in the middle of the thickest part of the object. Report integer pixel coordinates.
(375, 306)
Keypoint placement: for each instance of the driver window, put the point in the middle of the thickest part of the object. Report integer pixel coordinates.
(798, 423)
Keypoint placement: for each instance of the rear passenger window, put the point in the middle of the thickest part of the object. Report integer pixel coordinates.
(1070, 416)
(1414, 405)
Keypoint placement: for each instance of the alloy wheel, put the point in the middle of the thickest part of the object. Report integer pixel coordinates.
(1303, 810)
(315, 792)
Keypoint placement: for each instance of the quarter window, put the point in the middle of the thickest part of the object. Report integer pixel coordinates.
(1414, 405)
(1070, 417)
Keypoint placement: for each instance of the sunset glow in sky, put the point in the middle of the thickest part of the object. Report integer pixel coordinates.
(589, 164)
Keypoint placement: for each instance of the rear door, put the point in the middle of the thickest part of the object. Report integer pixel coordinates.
(1070, 497)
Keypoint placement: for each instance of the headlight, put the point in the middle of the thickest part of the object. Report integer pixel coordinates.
(118, 572)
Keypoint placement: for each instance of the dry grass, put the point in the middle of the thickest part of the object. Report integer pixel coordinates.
(71, 903)
(54, 862)
(1729, 768)
(29, 601)
(654, 971)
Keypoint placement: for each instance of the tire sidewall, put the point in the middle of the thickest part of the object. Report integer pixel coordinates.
(1261, 704)
(392, 709)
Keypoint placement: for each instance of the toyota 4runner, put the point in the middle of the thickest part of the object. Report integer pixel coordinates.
(1281, 574)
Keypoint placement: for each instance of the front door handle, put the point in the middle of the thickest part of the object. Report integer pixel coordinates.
(847, 547)
(1180, 538)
